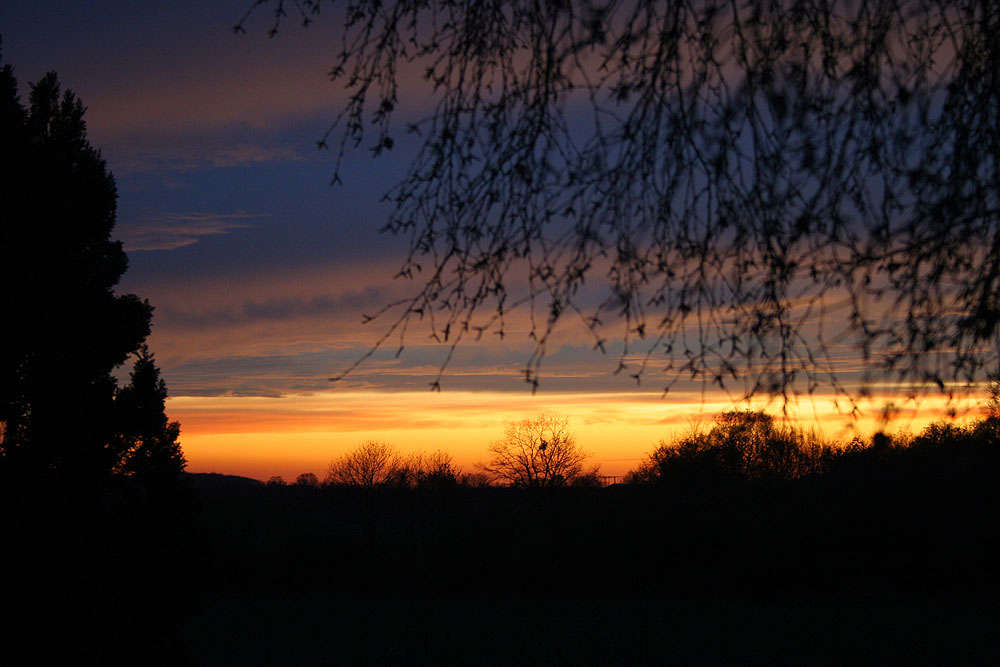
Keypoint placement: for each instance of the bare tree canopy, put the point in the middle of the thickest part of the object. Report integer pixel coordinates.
(371, 464)
(766, 187)
(375, 464)
(536, 452)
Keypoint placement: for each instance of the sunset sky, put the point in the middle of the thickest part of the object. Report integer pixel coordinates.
(260, 270)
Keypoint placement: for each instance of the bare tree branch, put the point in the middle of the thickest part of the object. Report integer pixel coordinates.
(766, 189)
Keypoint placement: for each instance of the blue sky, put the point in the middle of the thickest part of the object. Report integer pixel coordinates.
(211, 138)
(233, 230)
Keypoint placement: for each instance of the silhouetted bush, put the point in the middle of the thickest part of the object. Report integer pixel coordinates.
(590, 479)
(475, 480)
(433, 471)
(751, 447)
(746, 446)
(307, 479)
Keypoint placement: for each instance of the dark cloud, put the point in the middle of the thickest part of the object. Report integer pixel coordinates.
(290, 308)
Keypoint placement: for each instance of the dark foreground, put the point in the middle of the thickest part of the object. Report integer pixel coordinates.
(232, 572)
(310, 630)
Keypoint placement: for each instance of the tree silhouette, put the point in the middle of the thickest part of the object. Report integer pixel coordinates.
(96, 527)
(765, 187)
(371, 464)
(147, 441)
(741, 445)
(374, 464)
(993, 396)
(308, 479)
(536, 452)
(64, 328)
(436, 470)
(750, 445)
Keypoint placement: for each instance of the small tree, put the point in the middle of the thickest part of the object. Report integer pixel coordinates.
(371, 464)
(147, 447)
(536, 452)
(435, 470)
(307, 479)
(750, 445)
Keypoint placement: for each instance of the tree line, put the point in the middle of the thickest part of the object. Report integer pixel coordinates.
(534, 453)
(746, 446)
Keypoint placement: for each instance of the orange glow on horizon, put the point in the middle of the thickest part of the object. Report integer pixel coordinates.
(259, 436)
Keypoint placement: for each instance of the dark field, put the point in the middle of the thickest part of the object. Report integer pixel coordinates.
(898, 568)
(311, 630)
(792, 573)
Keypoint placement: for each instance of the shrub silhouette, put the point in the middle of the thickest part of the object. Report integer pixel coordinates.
(375, 464)
(433, 471)
(307, 479)
(741, 445)
(588, 479)
(751, 446)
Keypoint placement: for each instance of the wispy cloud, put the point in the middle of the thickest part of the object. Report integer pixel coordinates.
(169, 232)
(134, 157)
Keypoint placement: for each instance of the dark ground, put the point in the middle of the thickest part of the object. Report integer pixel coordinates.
(800, 574)
(310, 630)
(228, 571)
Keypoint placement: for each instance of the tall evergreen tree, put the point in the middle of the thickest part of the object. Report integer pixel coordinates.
(64, 329)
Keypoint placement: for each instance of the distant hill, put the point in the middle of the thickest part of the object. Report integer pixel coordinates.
(215, 483)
